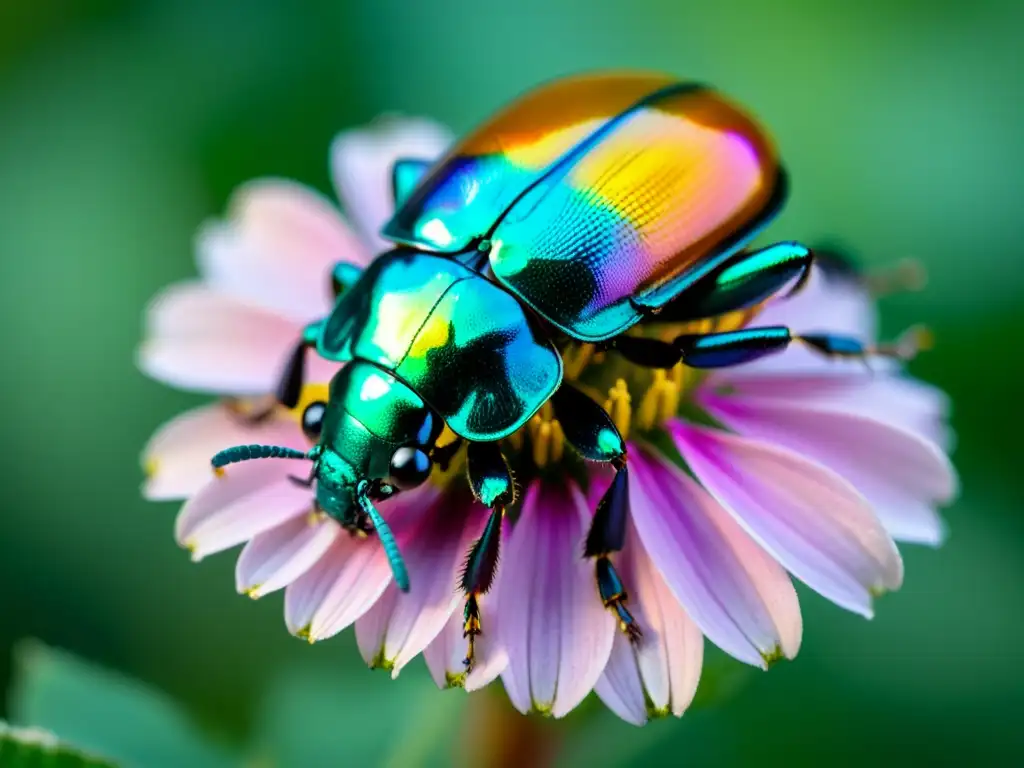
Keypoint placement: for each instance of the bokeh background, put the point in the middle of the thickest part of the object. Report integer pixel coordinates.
(124, 124)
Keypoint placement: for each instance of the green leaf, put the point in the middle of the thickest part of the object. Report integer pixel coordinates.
(35, 748)
(106, 713)
(313, 716)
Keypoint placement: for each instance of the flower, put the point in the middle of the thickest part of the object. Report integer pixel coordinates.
(794, 465)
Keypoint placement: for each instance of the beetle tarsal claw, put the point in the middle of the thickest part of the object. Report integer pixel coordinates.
(471, 629)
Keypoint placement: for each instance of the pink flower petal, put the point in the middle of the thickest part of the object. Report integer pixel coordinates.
(620, 686)
(902, 475)
(277, 249)
(273, 560)
(361, 160)
(557, 633)
(202, 341)
(809, 518)
(660, 674)
(362, 577)
(345, 582)
(733, 590)
(446, 652)
(177, 457)
(400, 626)
(251, 498)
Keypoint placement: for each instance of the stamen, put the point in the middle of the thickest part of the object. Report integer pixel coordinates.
(661, 400)
(619, 407)
(546, 436)
(575, 359)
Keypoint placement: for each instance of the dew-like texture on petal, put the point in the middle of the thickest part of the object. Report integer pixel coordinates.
(277, 248)
(902, 475)
(361, 161)
(557, 633)
(813, 521)
(400, 626)
(445, 654)
(273, 560)
(177, 457)
(202, 341)
(731, 588)
(251, 498)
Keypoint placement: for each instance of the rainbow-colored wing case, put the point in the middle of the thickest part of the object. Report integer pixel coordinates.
(601, 196)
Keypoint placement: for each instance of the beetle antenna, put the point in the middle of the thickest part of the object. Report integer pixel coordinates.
(241, 453)
(387, 540)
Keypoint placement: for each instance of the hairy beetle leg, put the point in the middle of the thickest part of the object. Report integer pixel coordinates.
(590, 430)
(477, 577)
(493, 485)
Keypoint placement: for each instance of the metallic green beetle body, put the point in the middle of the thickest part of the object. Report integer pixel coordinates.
(459, 341)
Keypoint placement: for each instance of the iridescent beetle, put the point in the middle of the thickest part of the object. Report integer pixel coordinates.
(590, 205)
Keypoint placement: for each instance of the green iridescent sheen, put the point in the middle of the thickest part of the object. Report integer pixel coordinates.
(459, 341)
(371, 415)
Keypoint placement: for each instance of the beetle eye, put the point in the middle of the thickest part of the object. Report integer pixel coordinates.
(313, 420)
(409, 467)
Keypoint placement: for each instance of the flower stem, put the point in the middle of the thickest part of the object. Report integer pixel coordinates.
(495, 735)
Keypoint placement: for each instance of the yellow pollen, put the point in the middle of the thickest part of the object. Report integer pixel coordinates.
(254, 592)
(311, 393)
(546, 436)
(575, 359)
(619, 407)
(303, 633)
(150, 467)
(315, 517)
(661, 400)
(772, 656)
(452, 680)
(218, 472)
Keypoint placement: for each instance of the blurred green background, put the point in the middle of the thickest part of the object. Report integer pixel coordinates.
(124, 124)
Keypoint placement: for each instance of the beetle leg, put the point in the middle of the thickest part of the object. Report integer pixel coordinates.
(743, 281)
(406, 173)
(493, 485)
(591, 431)
(289, 388)
(443, 455)
(721, 350)
(293, 377)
